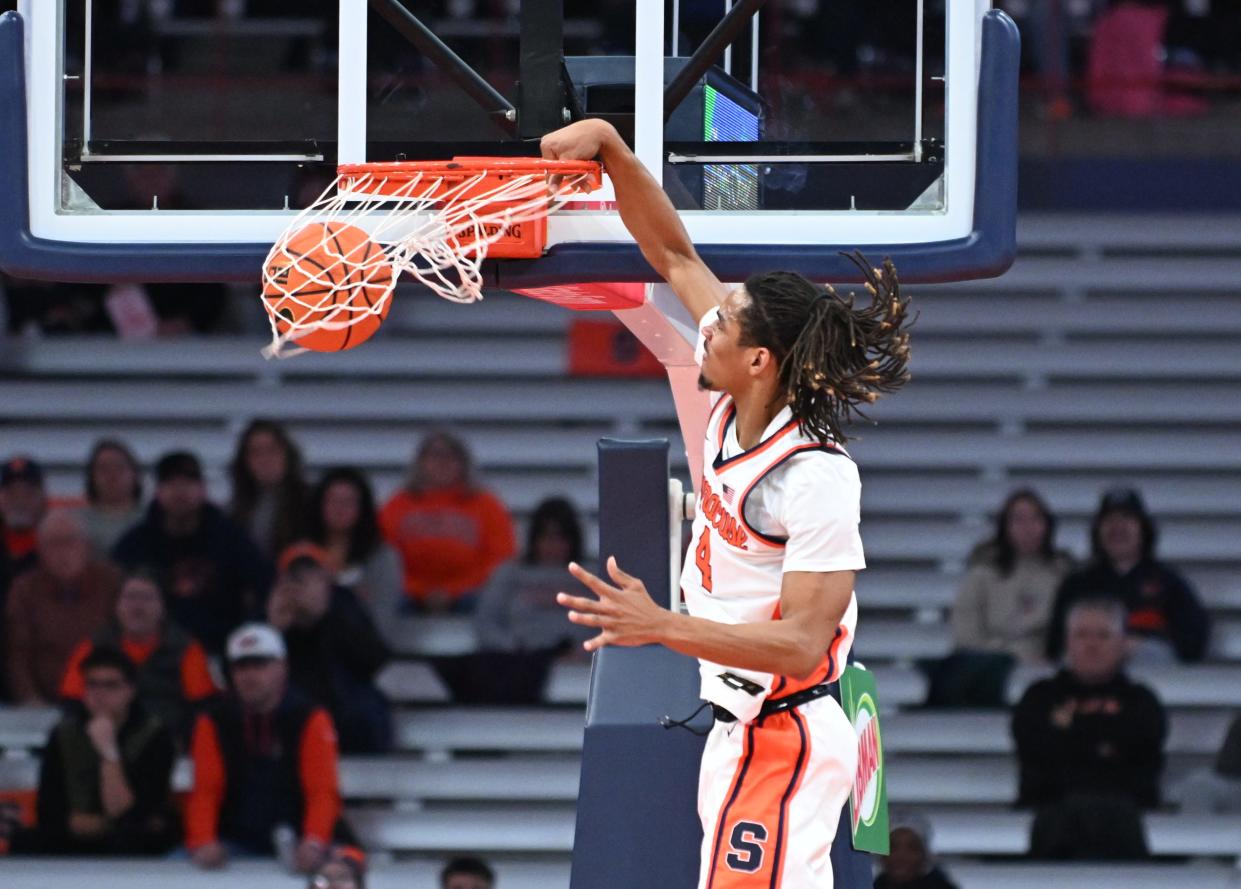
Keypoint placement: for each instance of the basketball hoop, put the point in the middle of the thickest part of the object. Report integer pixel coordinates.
(329, 278)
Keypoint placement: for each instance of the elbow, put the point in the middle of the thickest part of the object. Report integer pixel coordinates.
(802, 666)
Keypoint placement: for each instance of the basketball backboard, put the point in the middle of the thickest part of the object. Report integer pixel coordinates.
(177, 147)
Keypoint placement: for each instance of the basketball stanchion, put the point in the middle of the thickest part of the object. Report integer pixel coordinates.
(328, 280)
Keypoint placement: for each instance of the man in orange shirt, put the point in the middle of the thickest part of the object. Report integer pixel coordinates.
(450, 533)
(265, 765)
(173, 673)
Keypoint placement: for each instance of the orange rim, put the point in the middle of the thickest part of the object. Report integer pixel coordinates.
(387, 177)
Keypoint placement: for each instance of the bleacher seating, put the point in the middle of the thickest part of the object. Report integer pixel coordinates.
(1095, 361)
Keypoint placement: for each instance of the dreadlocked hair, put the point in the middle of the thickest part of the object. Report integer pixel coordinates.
(834, 356)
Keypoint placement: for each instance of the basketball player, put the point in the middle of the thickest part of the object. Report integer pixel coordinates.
(768, 581)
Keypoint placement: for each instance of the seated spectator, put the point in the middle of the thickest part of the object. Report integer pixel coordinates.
(212, 575)
(1090, 744)
(269, 493)
(1001, 612)
(467, 872)
(66, 597)
(517, 609)
(265, 764)
(1217, 789)
(450, 533)
(105, 775)
(334, 650)
(23, 502)
(910, 863)
(173, 675)
(343, 521)
(339, 872)
(113, 494)
(1166, 620)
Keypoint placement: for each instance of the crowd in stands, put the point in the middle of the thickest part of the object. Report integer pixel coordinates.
(248, 636)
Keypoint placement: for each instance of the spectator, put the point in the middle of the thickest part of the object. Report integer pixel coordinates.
(467, 872)
(105, 774)
(910, 863)
(334, 650)
(269, 493)
(517, 609)
(343, 521)
(1005, 600)
(173, 675)
(113, 494)
(339, 872)
(210, 572)
(1090, 744)
(265, 765)
(450, 533)
(1166, 620)
(1001, 612)
(67, 596)
(22, 505)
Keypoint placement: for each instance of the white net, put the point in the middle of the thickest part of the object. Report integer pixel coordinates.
(334, 268)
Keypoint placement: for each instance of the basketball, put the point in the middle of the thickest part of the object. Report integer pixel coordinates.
(326, 279)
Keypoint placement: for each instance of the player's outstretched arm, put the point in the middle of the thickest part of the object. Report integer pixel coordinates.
(645, 210)
(812, 604)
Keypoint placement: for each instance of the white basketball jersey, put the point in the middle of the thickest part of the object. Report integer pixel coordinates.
(733, 572)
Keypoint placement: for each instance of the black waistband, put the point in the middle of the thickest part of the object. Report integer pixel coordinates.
(778, 705)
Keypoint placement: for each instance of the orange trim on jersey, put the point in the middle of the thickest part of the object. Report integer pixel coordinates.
(758, 535)
(760, 448)
(827, 669)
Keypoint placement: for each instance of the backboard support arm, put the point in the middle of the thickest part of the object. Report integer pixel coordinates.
(721, 37)
(410, 27)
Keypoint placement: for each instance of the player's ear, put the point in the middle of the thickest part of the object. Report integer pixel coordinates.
(761, 358)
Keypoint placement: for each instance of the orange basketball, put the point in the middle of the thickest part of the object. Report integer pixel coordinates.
(328, 275)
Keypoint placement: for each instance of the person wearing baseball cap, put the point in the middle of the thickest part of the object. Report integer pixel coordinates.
(265, 764)
(1166, 620)
(209, 569)
(23, 503)
(335, 651)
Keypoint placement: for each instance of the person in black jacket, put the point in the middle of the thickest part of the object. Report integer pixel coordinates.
(910, 863)
(1090, 744)
(213, 576)
(334, 649)
(1165, 619)
(106, 772)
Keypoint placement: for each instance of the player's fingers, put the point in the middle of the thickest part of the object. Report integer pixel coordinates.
(547, 146)
(599, 587)
(578, 603)
(597, 642)
(586, 620)
(621, 577)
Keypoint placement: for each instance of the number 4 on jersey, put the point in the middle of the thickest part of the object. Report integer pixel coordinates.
(702, 558)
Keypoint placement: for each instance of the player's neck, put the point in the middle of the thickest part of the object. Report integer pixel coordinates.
(756, 408)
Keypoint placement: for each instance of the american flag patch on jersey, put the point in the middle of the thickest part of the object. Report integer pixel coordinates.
(729, 493)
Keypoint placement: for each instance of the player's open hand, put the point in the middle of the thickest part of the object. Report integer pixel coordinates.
(581, 141)
(624, 614)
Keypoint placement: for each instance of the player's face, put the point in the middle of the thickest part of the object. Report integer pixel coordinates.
(724, 357)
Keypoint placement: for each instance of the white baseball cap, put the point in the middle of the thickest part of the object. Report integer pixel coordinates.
(255, 641)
